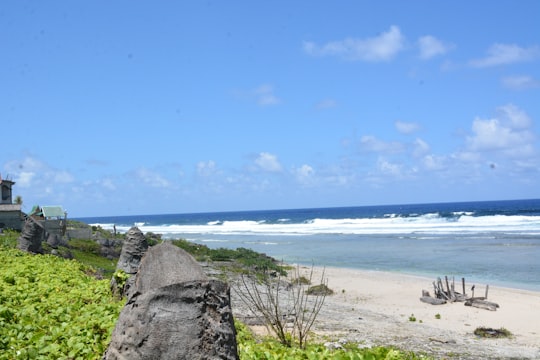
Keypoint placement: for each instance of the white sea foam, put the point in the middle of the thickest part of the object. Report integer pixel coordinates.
(429, 223)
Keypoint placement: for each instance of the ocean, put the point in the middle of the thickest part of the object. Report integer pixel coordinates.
(491, 242)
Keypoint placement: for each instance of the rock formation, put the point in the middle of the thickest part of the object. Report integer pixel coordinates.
(174, 312)
(31, 236)
(133, 249)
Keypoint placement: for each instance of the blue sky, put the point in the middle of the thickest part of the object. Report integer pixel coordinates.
(138, 107)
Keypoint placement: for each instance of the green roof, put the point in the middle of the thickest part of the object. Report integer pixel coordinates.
(52, 211)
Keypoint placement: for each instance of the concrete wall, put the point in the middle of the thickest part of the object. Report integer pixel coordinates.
(53, 226)
(85, 233)
(11, 220)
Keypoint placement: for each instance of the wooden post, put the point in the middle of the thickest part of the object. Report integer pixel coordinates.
(487, 288)
(448, 287)
(463, 286)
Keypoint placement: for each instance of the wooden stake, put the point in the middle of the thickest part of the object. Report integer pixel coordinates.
(487, 288)
(463, 286)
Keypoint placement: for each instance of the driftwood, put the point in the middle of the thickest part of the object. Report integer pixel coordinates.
(445, 291)
(432, 300)
(482, 304)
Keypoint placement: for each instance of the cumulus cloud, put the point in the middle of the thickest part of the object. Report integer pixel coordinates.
(31, 172)
(152, 178)
(430, 47)
(389, 168)
(520, 82)
(373, 144)
(510, 132)
(304, 174)
(383, 47)
(206, 168)
(502, 54)
(406, 127)
(268, 162)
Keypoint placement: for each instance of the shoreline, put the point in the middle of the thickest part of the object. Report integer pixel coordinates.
(373, 308)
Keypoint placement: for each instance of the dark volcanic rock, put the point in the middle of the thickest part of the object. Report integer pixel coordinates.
(174, 312)
(31, 236)
(134, 248)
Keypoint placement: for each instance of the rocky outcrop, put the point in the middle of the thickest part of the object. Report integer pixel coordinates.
(174, 312)
(133, 249)
(31, 236)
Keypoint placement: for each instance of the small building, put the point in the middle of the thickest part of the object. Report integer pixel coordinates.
(52, 218)
(11, 216)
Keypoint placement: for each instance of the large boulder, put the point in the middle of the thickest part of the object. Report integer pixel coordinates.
(31, 237)
(174, 312)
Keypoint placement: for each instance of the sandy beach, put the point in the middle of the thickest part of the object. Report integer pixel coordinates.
(375, 308)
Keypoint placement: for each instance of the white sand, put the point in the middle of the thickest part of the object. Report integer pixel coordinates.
(375, 307)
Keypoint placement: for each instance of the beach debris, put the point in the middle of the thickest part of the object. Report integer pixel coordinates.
(486, 332)
(482, 304)
(446, 292)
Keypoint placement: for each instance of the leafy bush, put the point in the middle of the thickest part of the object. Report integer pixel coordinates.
(250, 348)
(50, 309)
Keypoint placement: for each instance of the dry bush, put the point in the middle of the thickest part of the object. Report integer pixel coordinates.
(286, 308)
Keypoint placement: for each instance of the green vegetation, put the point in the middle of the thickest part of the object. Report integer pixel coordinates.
(51, 309)
(55, 308)
(321, 289)
(252, 348)
(247, 258)
(412, 318)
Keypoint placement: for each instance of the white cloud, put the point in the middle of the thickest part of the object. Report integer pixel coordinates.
(25, 179)
(62, 177)
(31, 172)
(420, 147)
(406, 127)
(371, 143)
(268, 162)
(389, 168)
(501, 54)
(517, 117)
(379, 48)
(432, 162)
(304, 174)
(108, 184)
(509, 132)
(206, 168)
(520, 82)
(152, 178)
(430, 47)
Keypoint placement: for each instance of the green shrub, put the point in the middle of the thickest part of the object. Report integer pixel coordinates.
(50, 309)
(321, 289)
